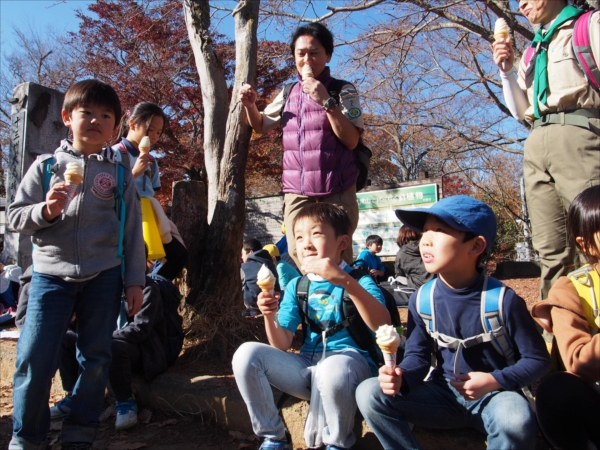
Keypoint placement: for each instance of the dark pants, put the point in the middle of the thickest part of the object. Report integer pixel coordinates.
(126, 360)
(176, 256)
(568, 411)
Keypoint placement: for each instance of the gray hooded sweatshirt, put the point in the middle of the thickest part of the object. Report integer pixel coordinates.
(86, 241)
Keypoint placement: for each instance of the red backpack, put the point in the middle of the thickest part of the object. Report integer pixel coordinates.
(581, 48)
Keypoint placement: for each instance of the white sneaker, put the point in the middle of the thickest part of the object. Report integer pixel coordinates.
(126, 414)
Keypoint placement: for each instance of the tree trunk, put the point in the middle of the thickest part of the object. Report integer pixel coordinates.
(215, 292)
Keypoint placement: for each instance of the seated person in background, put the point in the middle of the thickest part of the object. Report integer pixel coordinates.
(568, 403)
(285, 272)
(253, 257)
(143, 346)
(471, 386)
(409, 263)
(368, 258)
(9, 287)
(322, 232)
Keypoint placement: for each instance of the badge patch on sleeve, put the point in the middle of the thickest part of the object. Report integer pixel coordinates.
(354, 113)
(103, 186)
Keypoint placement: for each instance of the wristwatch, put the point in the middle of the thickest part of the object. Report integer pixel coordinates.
(329, 104)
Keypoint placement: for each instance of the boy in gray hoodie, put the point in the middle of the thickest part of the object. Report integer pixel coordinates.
(76, 269)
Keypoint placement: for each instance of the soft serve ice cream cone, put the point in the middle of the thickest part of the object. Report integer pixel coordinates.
(388, 341)
(307, 72)
(501, 31)
(265, 279)
(73, 178)
(145, 145)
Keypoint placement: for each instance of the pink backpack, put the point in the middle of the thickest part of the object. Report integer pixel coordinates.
(581, 48)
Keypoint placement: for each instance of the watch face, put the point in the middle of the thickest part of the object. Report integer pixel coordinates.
(329, 104)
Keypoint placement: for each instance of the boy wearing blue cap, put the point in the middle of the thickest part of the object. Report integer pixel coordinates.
(479, 368)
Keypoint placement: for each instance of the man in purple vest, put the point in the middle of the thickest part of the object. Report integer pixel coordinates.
(319, 132)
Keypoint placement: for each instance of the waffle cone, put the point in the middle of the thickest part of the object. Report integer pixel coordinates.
(502, 35)
(144, 150)
(72, 178)
(266, 286)
(389, 349)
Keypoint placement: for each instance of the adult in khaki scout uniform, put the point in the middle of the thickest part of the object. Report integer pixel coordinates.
(562, 153)
(318, 133)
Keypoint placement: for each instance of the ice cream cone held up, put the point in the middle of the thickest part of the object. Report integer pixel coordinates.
(388, 340)
(73, 178)
(501, 31)
(145, 145)
(307, 72)
(265, 280)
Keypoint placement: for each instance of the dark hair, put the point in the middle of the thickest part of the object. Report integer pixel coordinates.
(406, 234)
(583, 221)
(142, 113)
(325, 213)
(252, 245)
(316, 30)
(374, 239)
(92, 92)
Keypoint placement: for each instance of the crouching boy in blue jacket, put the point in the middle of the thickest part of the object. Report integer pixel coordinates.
(475, 382)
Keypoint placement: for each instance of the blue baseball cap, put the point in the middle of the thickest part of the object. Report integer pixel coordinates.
(461, 212)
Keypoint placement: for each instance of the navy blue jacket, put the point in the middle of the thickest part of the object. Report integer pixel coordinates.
(457, 313)
(251, 268)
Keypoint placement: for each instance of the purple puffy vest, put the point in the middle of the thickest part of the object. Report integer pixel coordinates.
(315, 162)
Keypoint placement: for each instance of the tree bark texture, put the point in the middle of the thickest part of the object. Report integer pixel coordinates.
(216, 287)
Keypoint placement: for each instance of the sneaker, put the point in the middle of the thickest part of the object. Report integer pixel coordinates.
(270, 444)
(77, 446)
(126, 414)
(61, 409)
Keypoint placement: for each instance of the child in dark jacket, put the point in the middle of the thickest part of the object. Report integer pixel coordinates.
(138, 348)
(253, 257)
(472, 384)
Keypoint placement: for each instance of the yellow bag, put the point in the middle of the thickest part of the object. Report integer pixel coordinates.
(151, 234)
(587, 282)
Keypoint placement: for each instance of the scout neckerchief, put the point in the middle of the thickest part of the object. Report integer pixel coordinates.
(540, 42)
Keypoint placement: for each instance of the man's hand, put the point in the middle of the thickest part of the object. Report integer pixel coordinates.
(135, 298)
(143, 163)
(55, 201)
(503, 51)
(247, 96)
(268, 303)
(327, 269)
(315, 90)
(475, 385)
(390, 379)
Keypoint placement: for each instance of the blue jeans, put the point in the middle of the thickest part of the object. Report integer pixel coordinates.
(52, 302)
(256, 366)
(505, 416)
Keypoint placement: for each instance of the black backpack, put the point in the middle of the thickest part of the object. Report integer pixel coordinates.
(171, 298)
(362, 154)
(351, 319)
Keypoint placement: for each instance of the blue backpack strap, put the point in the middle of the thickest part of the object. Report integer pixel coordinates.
(121, 211)
(49, 168)
(492, 317)
(425, 305)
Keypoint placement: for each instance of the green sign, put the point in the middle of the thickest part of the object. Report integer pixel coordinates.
(396, 198)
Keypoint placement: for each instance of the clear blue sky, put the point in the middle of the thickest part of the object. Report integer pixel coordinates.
(39, 13)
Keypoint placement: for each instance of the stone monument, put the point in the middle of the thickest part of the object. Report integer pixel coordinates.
(36, 128)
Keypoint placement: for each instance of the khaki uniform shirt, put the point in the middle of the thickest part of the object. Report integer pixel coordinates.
(569, 88)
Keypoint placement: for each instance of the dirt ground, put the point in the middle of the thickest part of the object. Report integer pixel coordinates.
(159, 431)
